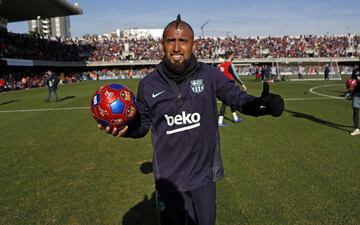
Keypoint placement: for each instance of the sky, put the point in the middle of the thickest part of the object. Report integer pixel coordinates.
(242, 18)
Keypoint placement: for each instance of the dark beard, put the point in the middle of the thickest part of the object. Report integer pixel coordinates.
(176, 68)
(179, 72)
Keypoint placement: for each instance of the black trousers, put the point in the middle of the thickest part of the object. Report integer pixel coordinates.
(356, 117)
(194, 207)
(223, 109)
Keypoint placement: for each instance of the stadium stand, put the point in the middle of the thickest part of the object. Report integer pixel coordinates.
(103, 57)
(25, 46)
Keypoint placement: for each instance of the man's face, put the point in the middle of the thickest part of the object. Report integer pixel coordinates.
(178, 45)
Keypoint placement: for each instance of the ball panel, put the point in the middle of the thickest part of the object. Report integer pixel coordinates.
(130, 111)
(108, 95)
(93, 111)
(103, 111)
(95, 99)
(117, 107)
(116, 122)
(125, 95)
(103, 123)
(116, 86)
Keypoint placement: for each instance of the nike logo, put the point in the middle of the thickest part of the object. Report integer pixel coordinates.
(157, 94)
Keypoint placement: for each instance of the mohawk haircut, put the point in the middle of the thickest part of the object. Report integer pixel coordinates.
(177, 23)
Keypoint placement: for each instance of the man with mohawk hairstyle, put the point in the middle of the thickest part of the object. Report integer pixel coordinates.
(178, 102)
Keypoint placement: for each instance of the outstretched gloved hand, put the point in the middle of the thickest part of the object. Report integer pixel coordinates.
(271, 104)
(266, 104)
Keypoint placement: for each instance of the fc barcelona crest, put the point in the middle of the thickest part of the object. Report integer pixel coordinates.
(197, 86)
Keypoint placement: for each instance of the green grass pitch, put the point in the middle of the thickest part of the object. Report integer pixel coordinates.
(58, 168)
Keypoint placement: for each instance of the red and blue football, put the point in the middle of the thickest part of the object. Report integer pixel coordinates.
(113, 105)
(351, 84)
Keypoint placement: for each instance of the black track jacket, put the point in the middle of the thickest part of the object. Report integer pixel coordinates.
(184, 127)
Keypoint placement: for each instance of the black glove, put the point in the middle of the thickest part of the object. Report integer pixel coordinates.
(271, 104)
(267, 104)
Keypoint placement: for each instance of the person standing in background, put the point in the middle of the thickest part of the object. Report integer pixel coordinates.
(327, 72)
(52, 82)
(229, 71)
(356, 101)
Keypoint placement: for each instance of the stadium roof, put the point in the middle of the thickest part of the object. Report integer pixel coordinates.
(20, 10)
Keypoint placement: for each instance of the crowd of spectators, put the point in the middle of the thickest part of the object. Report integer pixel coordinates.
(284, 69)
(26, 79)
(114, 49)
(31, 46)
(281, 47)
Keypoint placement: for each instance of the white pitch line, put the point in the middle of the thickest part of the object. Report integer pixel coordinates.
(286, 99)
(298, 99)
(324, 95)
(305, 99)
(43, 110)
